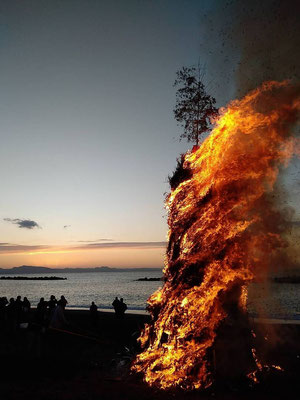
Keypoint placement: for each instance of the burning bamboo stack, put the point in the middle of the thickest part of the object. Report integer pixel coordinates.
(224, 232)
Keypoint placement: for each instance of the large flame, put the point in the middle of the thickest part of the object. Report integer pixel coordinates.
(224, 232)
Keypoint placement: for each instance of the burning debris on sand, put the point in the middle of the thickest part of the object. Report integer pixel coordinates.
(224, 232)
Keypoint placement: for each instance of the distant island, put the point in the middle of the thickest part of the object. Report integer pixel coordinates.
(30, 269)
(33, 278)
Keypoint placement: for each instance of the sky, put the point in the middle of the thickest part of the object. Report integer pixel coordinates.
(88, 136)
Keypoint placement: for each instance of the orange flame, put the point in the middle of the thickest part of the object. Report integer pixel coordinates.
(224, 232)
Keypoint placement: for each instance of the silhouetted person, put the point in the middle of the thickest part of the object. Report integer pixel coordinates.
(63, 301)
(123, 308)
(26, 310)
(19, 309)
(58, 319)
(51, 306)
(116, 306)
(94, 314)
(41, 309)
(26, 304)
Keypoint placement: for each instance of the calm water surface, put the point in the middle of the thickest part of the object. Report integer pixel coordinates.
(80, 289)
(277, 300)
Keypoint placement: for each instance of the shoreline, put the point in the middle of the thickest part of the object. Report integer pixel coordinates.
(104, 310)
(137, 312)
(109, 310)
(253, 319)
(144, 313)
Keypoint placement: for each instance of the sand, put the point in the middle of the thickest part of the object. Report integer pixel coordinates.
(81, 362)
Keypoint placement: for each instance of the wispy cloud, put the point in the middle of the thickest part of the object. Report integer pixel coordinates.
(19, 248)
(8, 248)
(23, 223)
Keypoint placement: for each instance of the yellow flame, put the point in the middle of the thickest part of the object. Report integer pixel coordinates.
(222, 234)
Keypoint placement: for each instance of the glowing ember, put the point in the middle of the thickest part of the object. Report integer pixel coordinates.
(224, 231)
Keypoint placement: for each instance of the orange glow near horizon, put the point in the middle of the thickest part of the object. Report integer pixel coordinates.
(60, 258)
(33, 253)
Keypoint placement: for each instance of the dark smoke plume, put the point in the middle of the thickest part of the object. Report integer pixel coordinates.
(249, 42)
(268, 35)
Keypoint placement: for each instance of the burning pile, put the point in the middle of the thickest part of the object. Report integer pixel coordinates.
(224, 232)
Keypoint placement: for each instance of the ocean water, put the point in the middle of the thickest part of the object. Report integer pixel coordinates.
(274, 300)
(80, 289)
(269, 299)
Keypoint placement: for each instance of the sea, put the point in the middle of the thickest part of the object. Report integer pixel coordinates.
(268, 299)
(80, 289)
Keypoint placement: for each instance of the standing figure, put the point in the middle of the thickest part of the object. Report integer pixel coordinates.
(94, 314)
(58, 320)
(26, 310)
(19, 309)
(116, 306)
(40, 314)
(51, 305)
(63, 301)
(123, 308)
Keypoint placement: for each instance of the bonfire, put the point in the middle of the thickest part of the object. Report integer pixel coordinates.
(225, 231)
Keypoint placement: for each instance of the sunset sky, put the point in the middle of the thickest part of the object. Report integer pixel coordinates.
(87, 131)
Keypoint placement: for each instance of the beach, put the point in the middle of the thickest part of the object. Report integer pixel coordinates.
(81, 362)
(75, 362)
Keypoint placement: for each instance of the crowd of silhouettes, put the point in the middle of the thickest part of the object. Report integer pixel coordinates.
(120, 307)
(31, 330)
(15, 312)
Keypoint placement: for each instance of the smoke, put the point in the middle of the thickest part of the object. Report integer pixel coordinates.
(249, 42)
(268, 36)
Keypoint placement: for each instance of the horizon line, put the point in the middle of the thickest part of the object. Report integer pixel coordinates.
(102, 266)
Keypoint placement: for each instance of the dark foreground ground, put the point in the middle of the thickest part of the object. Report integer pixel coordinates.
(82, 363)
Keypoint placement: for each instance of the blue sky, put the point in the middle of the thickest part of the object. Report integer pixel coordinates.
(87, 131)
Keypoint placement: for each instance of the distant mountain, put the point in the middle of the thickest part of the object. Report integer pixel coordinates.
(25, 269)
(30, 269)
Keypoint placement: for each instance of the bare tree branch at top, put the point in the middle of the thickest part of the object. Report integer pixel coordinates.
(194, 106)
